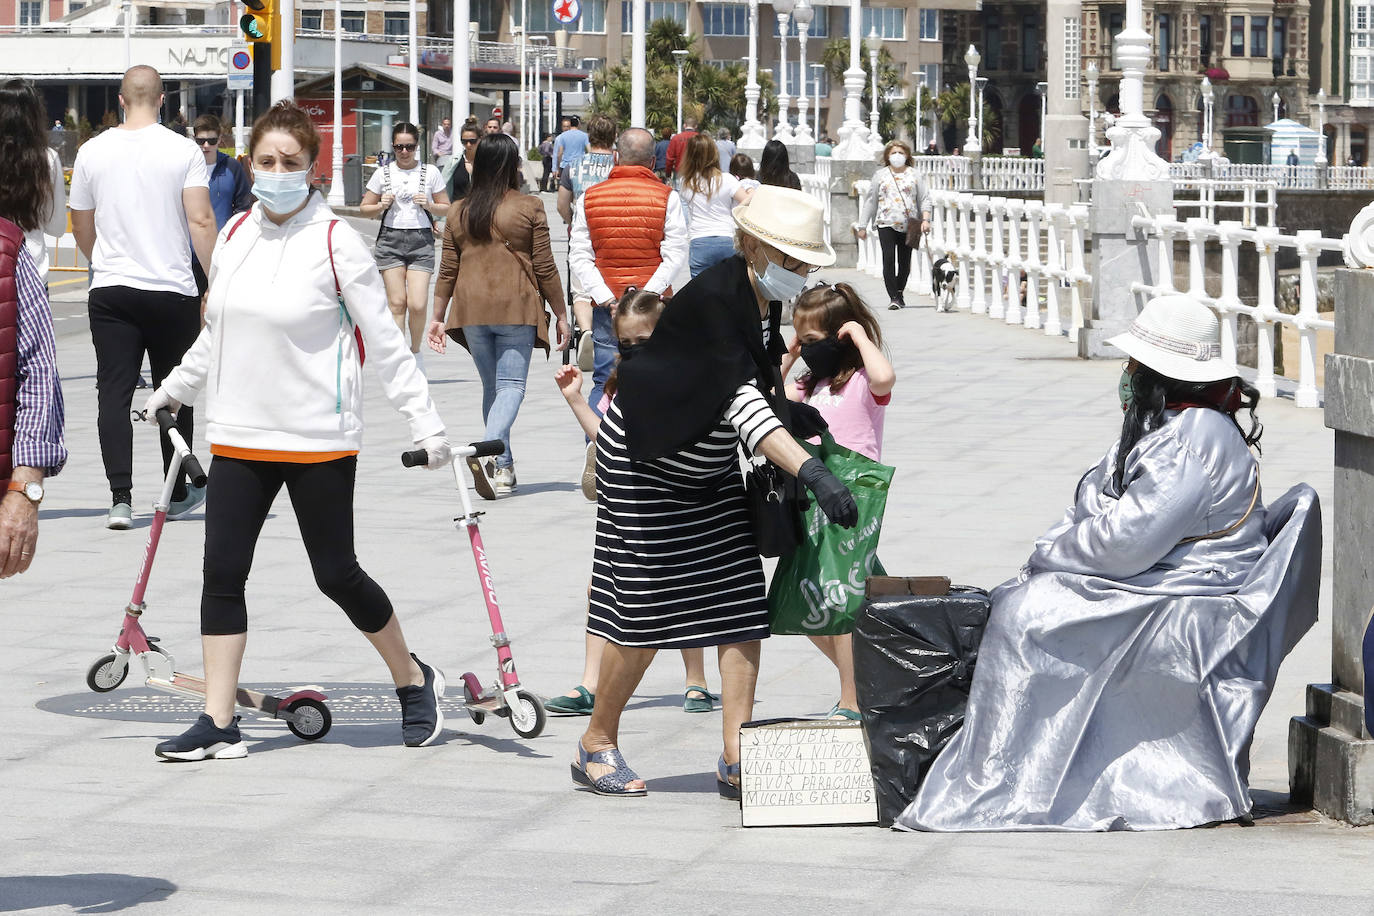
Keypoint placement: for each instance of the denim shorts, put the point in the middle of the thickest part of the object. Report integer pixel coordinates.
(412, 248)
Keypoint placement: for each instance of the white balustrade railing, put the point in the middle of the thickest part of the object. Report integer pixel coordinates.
(1229, 237)
(1288, 177)
(819, 188)
(1257, 203)
(997, 242)
(943, 173)
(822, 169)
(1011, 173)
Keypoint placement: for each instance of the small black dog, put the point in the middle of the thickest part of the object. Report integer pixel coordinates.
(943, 273)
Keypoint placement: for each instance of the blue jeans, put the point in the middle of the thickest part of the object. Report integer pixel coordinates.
(607, 346)
(501, 353)
(708, 250)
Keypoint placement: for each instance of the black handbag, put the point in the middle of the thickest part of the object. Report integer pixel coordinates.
(775, 498)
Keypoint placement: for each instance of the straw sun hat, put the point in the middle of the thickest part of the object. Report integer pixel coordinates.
(790, 221)
(1178, 337)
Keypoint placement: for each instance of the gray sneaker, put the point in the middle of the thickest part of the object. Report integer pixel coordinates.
(505, 481)
(180, 508)
(121, 517)
(586, 351)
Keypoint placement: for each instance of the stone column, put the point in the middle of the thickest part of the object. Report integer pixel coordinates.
(1130, 175)
(1330, 752)
(1064, 121)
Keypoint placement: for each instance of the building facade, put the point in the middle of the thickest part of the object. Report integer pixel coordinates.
(1343, 68)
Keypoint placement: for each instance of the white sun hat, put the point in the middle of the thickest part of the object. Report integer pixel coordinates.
(791, 221)
(1178, 337)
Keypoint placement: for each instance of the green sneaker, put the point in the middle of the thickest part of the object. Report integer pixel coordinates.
(580, 705)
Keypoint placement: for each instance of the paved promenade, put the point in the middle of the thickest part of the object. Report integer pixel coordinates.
(990, 428)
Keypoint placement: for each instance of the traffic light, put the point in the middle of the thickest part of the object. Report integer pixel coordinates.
(259, 20)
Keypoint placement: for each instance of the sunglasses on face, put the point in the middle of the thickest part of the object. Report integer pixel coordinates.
(469, 141)
(403, 147)
(207, 141)
(795, 265)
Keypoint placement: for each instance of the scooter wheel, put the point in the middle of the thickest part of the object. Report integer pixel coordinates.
(529, 717)
(312, 720)
(478, 716)
(106, 674)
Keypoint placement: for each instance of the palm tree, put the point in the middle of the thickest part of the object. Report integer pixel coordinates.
(953, 108)
(835, 57)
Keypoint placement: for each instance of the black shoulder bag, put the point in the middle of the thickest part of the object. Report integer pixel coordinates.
(775, 498)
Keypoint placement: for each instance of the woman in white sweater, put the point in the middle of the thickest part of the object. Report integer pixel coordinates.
(294, 294)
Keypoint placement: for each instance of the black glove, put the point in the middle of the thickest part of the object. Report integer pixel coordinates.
(806, 421)
(836, 501)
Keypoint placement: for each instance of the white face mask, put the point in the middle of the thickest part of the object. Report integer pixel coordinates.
(282, 192)
(897, 160)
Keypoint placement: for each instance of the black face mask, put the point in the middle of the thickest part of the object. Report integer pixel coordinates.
(823, 357)
(627, 351)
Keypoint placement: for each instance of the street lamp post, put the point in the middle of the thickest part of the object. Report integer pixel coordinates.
(783, 131)
(518, 33)
(875, 44)
(1208, 98)
(1091, 74)
(816, 70)
(1320, 99)
(336, 181)
(1276, 102)
(920, 85)
(462, 52)
(1043, 90)
(413, 65)
(638, 63)
(853, 132)
(1133, 156)
(128, 9)
(803, 15)
(751, 132)
(680, 58)
(982, 83)
(536, 114)
(972, 143)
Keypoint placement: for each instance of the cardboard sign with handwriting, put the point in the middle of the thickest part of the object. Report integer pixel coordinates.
(796, 772)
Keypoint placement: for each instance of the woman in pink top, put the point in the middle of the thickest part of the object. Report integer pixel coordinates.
(849, 381)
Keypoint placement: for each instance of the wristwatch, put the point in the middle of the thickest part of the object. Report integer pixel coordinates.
(33, 490)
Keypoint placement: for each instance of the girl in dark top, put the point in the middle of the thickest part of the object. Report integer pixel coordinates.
(461, 182)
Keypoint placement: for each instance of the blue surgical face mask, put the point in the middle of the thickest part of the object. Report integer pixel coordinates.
(282, 192)
(777, 282)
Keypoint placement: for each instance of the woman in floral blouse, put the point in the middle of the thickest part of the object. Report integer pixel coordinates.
(897, 194)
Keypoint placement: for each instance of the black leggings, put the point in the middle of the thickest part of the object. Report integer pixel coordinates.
(124, 323)
(240, 496)
(896, 260)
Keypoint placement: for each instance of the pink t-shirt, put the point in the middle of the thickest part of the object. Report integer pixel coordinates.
(855, 413)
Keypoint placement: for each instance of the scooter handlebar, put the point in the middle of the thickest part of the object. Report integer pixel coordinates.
(166, 422)
(420, 457)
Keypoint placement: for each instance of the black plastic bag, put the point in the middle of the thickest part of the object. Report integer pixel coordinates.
(913, 665)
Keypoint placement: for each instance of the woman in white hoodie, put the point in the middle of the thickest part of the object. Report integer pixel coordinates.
(294, 295)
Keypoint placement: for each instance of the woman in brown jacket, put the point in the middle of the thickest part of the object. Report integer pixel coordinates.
(498, 271)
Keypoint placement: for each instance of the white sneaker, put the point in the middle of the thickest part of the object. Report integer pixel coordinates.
(420, 362)
(586, 352)
(505, 481)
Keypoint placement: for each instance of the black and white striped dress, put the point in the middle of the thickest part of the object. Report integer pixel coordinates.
(675, 564)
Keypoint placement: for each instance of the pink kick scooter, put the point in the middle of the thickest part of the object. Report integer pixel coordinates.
(303, 712)
(505, 696)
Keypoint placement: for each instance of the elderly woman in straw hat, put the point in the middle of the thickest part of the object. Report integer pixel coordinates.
(675, 563)
(1117, 687)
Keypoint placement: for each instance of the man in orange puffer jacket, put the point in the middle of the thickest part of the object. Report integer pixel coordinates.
(628, 230)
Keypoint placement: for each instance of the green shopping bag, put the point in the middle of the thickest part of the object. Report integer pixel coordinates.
(818, 589)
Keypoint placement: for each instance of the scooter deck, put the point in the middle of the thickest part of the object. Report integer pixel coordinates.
(190, 685)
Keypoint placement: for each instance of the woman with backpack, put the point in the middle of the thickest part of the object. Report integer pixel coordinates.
(294, 296)
(407, 195)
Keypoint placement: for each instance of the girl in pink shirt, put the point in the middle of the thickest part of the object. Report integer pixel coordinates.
(849, 380)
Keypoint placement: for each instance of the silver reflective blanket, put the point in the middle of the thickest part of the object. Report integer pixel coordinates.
(1122, 673)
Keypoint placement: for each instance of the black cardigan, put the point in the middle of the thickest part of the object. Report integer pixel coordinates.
(707, 343)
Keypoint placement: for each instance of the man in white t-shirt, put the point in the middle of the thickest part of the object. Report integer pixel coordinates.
(140, 204)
